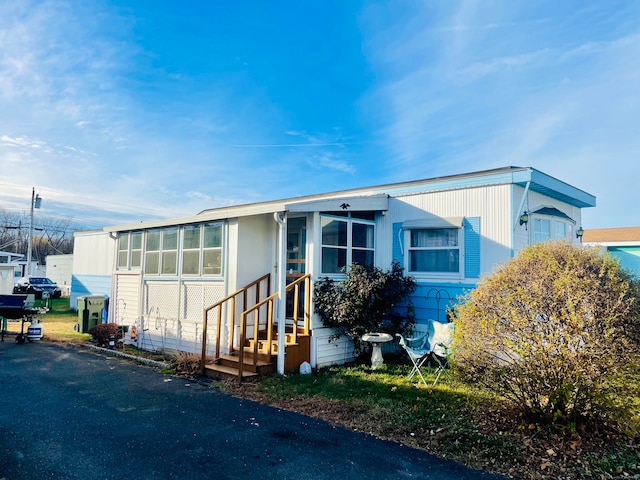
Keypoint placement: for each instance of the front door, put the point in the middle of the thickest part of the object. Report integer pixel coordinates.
(296, 256)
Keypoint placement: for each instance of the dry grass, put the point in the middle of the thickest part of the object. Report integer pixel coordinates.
(58, 324)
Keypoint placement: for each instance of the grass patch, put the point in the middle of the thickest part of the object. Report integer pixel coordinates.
(58, 324)
(452, 420)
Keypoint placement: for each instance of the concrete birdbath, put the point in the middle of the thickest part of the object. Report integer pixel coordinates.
(376, 340)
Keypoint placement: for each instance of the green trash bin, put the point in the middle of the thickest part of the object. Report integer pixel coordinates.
(90, 310)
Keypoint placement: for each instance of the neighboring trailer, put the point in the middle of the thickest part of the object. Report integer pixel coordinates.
(59, 269)
(93, 262)
(623, 243)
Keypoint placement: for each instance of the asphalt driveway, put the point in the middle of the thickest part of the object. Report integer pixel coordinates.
(68, 413)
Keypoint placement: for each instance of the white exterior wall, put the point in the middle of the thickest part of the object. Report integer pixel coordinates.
(59, 269)
(6, 279)
(125, 305)
(93, 253)
(93, 264)
(254, 253)
(325, 352)
(492, 204)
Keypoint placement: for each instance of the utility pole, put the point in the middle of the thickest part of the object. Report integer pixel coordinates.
(35, 203)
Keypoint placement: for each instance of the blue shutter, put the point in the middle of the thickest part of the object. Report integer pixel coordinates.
(471, 247)
(396, 252)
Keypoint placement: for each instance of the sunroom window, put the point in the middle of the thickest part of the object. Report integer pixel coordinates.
(152, 253)
(169, 251)
(129, 250)
(123, 251)
(347, 239)
(136, 249)
(191, 250)
(202, 250)
(212, 249)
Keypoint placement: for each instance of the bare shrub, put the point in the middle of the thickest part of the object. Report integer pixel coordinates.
(555, 330)
(189, 363)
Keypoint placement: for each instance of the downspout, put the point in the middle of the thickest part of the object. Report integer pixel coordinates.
(281, 271)
(111, 313)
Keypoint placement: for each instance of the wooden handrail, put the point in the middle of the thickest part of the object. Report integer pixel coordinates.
(232, 297)
(295, 286)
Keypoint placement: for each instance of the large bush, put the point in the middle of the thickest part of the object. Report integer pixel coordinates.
(366, 301)
(555, 330)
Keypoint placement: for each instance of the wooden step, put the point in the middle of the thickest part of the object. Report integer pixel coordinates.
(262, 346)
(228, 373)
(262, 367)
(262, 334)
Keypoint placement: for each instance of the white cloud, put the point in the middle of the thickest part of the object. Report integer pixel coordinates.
(552, 96)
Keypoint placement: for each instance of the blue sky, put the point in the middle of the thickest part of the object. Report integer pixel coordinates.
(120, 111)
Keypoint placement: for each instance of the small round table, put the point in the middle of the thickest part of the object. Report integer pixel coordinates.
(376, 340)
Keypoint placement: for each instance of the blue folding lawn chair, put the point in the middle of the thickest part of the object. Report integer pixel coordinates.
(435, 345)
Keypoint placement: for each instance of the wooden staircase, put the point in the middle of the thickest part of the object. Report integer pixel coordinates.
(227, 366)
(258, 357)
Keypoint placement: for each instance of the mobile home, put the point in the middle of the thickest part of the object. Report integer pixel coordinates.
(233, 270)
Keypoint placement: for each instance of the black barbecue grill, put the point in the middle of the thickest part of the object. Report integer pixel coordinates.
(14, 307)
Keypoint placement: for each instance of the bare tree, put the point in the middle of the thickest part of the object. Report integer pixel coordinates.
(51, 236)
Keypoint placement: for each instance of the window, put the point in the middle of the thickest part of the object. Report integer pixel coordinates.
(550, 229)
(202, 250)
(169, 251)
(129, 250)
(347, 239)
(434, 250)
(123, 251)
(212, 250)
(191, 250)
(152, 253)
(136, 250)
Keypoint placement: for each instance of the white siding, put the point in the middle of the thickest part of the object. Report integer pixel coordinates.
(126, 299)
(93, 253)
(254, 253)
(93, 262)
(492, 204)
(6, 279)
(59, 269)
(326, 352)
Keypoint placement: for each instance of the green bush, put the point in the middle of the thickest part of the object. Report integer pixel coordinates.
(367, 300)
(103, 332)
(555, 330)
